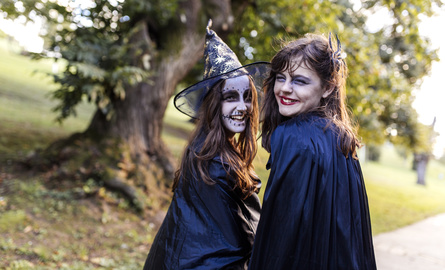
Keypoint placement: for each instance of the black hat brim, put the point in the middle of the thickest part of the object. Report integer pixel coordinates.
(189, 100)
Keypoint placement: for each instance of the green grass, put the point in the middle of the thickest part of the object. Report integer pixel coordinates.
(26, 118)
(24, 95)
(49, 229)
(394, 197)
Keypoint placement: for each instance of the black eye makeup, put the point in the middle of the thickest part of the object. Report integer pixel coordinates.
(234, 95)
(280, 77)
(247, 96)
(300, 80)
(230, 95)
(295, 79)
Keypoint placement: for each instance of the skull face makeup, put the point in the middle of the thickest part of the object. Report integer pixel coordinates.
(236, 103)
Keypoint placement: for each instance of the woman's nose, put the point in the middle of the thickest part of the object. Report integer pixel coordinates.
(286, 87)
(241, 106)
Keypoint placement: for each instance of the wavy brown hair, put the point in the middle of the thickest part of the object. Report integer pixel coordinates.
(316, 53)
(237, 151)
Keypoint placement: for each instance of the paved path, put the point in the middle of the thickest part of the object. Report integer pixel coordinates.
(420, 246)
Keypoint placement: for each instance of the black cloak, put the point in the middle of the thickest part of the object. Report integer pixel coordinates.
(315, 210)
(206, 226)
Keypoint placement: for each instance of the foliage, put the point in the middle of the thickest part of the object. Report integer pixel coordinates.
(94, 41)
(56, 229)
(108, 46)
(23, 86)
(385, 65)
(107, 54)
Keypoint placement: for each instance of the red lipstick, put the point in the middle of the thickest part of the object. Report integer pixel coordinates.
(288, 101)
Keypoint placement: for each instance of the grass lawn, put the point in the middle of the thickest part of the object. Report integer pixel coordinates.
(394, 197)
(50, 229)
(26, 118)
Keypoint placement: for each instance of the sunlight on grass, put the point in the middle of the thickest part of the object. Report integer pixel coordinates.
(177, 119)
(11, 220)
(395, 199)
(27, 123)
(176, 131)
(260, 168)
(24, 93)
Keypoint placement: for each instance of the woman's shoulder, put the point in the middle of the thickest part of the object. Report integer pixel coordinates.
(301, 126)
(309, 131)
(309, 120)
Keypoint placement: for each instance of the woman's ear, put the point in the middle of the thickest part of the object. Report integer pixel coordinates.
(328, 91)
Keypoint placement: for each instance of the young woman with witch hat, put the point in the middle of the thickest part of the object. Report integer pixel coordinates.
(315, 211)
(213, 216)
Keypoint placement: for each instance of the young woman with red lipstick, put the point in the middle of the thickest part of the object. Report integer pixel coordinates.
(212, 219)
(315, 210)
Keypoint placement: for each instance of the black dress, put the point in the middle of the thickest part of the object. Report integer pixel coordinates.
(315, 210)
(206, 226)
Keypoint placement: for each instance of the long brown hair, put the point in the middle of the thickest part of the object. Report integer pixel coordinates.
(237, 151)
(315, 52)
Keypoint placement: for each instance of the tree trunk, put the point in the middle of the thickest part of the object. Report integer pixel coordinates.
(126, 153)
(421, 164)
(421, 159)
(138, 119)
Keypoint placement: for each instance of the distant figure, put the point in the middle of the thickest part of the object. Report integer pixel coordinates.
(315, 210)
(212, 220)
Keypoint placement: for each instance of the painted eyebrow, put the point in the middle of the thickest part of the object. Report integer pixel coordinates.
(299, 76)
(293, 77)
(234, 89)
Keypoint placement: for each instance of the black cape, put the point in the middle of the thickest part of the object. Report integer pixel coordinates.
(206, 226)
(315, 210)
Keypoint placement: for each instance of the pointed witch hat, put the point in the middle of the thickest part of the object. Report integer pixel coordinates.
(220, 63)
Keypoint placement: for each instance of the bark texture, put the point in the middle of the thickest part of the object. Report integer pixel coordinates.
(126, 153)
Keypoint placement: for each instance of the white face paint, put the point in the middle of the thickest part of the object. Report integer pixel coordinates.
(236, 102)
(298, 92)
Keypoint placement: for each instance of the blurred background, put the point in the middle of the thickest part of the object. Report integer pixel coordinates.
(90, 139)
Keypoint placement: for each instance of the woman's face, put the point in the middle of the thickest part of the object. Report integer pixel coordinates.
(298, 92)
(236, 103)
